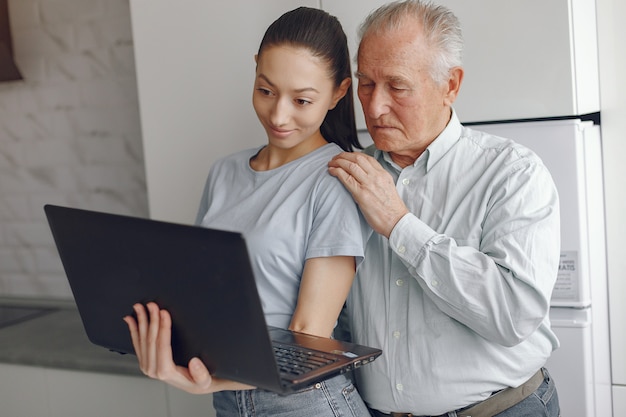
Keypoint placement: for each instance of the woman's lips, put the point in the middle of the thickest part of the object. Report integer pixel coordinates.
(281, 133)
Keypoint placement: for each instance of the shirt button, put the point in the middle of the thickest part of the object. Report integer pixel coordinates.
(434, 282)
(399, 387)
(401, 249)
(406, 181)
(396, 334)
(399, 282)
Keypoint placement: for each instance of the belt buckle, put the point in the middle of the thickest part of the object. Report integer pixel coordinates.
(401, 415)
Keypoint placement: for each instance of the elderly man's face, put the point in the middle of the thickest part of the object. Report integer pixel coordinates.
(404, 109)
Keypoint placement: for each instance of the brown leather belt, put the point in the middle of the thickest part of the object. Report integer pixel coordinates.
(497, 403)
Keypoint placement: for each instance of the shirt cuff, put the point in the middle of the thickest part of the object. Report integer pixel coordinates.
(409, 236)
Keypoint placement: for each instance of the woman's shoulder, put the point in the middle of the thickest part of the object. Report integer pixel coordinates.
(321, 156)
(317, 160)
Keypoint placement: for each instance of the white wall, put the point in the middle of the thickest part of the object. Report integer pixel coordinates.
(69, 133)
(612, 55)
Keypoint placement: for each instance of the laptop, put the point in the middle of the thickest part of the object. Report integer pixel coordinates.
(204, 278)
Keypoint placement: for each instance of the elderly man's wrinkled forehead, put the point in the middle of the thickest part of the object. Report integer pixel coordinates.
(399, 35)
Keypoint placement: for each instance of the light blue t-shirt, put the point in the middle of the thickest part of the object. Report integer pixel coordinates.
(288, 215)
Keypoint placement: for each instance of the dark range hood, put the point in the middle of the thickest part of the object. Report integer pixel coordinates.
(8, 69)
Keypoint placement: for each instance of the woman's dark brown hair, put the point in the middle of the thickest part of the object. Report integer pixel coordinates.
(323, 36)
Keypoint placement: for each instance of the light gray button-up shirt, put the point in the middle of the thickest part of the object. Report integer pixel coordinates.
(458, 297)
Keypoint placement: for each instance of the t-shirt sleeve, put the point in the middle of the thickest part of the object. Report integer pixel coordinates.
(338, 227)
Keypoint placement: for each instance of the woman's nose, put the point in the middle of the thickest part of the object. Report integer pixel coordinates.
(280, 113)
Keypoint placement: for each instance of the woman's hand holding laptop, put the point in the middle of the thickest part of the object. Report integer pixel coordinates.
(151, 334)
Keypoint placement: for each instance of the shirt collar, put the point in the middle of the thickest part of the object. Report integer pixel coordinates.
(444, 142)
(436, 150)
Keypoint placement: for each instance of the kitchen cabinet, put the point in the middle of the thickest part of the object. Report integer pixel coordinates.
(73, 393)
(27, 391)
(23, 391)
(522, 59)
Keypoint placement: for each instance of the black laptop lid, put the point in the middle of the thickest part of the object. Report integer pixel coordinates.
(113, 262)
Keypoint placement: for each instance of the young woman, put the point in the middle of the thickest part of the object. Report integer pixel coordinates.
(302, 227)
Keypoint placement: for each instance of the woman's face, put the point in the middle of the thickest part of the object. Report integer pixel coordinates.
(293, 91)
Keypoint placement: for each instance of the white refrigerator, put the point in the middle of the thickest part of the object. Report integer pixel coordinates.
(571, 149)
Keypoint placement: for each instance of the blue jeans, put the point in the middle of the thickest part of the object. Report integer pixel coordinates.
(334, 397)
(544, 402)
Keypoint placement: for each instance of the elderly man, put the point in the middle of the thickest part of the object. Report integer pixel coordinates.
(458, 273)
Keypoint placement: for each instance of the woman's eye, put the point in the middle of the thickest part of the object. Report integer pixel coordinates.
(264, 91)
(302, 102)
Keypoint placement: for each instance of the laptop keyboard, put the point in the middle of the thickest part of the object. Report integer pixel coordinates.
(293, 361)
